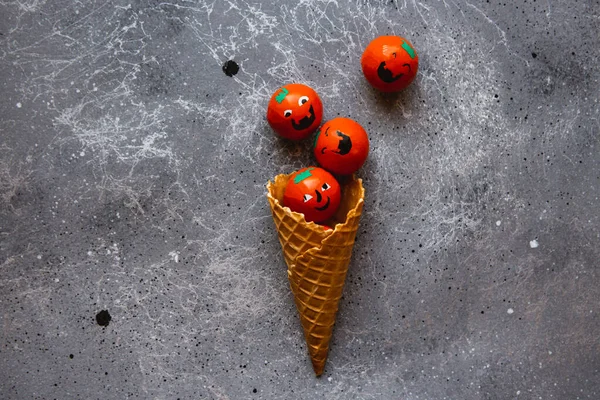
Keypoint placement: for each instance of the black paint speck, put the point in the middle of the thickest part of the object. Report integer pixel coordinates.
(534, 55)
(103, 318)
(71, 356)
(230, 68)
(254, 390)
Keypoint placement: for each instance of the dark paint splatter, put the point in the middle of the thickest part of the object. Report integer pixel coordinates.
(230, 68)
(103, 318)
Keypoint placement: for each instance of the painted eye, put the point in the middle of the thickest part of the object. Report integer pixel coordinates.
(325, 187)
(302, 100)
(307, 197)
(394, 54)
(287, 113)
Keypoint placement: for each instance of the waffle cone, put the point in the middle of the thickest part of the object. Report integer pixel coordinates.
(317, 261)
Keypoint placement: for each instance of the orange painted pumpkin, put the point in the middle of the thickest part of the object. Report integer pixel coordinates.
(313, 192)
(295, 111)
(341, 146)
(390, 63)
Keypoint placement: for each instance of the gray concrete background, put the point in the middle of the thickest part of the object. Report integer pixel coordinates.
(132, 174)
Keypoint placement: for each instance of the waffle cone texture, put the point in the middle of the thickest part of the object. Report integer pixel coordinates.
(317, 261)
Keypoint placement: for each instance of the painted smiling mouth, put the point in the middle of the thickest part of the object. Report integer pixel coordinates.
(386, 75)
(306, 121)
(324, 207)
(344, 145)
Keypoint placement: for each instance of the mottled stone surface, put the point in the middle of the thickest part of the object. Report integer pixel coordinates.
(132, 183)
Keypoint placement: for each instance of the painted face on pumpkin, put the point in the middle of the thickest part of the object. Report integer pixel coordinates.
(295, 111)
(387, 75)
(313, 192)
(341, 146)
(390, 63)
